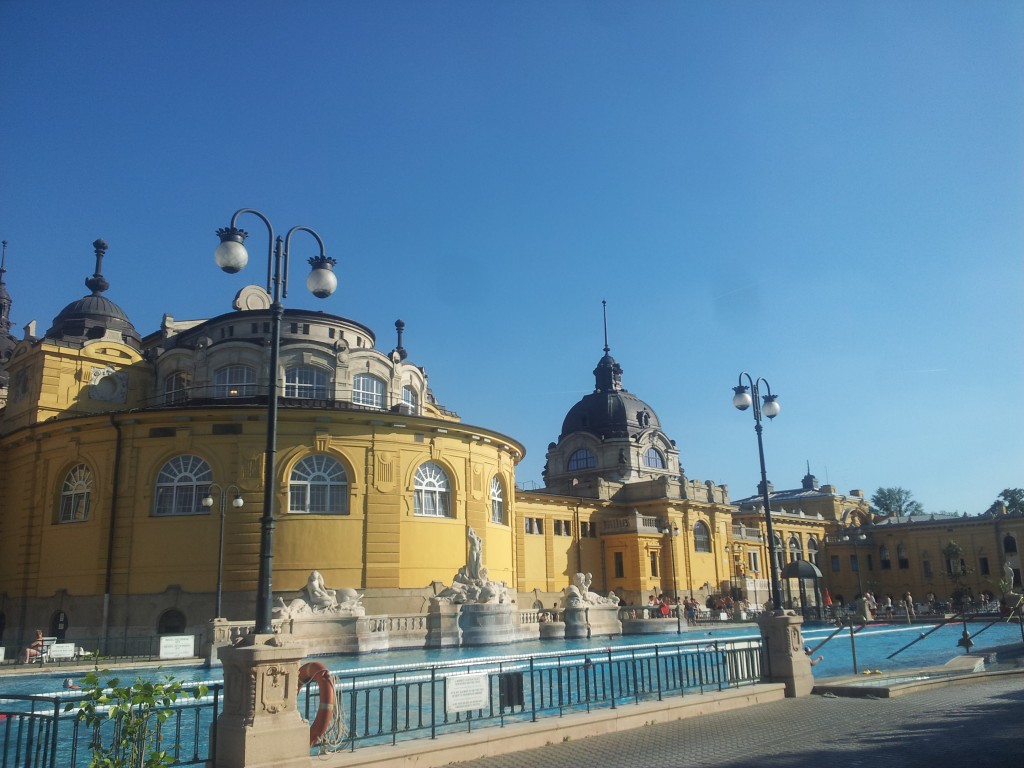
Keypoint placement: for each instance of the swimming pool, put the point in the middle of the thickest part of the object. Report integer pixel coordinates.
(874, 644)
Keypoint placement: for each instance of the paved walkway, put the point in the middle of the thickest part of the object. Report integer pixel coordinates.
(973, 724)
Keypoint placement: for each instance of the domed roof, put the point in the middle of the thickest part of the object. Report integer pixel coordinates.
(90, 317)
(609, 411)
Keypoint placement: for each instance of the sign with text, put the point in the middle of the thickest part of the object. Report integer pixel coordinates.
(465, 692)
(177, 646)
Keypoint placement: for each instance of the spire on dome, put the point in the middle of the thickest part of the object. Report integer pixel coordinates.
(97, 283)
(608, 374)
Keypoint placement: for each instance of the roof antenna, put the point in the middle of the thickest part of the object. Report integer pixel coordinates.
(604, 311)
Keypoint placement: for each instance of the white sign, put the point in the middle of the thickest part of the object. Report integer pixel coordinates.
(465, 692)
(177, 646)
(62, 651)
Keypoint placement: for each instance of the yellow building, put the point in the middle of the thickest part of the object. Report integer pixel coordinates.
(131, 465)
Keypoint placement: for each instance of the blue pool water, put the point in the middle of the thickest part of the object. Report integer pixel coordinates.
(873, 645)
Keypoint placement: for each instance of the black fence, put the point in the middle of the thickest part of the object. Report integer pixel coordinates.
(36, 732)
(386, 706)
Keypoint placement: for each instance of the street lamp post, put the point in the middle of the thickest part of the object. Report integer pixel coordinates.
(744, 397)
(236, 502)
(232, 257)
(672, 531)
(856, 539)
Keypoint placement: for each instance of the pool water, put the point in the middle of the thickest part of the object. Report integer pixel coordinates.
(874, 645)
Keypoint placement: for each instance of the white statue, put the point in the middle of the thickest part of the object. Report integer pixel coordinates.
(471, 584)
(318, 599)
(578, 594)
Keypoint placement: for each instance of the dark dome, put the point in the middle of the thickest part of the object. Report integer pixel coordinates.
(609, 411)
(610, 414)
(90, 318)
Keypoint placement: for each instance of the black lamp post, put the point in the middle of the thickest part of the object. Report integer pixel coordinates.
(237, 503)
(232, 257)
(744, 397)
(856, 539)
(672, 531)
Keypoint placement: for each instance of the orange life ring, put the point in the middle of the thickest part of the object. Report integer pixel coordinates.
(316, 672)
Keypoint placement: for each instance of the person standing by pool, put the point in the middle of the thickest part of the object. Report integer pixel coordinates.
(909, 602)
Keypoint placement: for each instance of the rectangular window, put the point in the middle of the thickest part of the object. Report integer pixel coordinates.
(854, 565)
(654, 563)
(983, 566)
(620, 568)
(755, 561)
(835, 563)
(927, 566)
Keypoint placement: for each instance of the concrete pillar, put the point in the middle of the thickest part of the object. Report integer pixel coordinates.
(261, 726)
(785, 660)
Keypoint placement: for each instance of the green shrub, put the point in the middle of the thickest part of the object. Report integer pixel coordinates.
(126, 720)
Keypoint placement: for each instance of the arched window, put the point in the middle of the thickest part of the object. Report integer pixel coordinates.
(181, 486)
(176, 387)
(883, 556)
(411, 399)
(306, 381)
(796, 552)
(582, 459)
(1009, 544)
(654, 459)
(318, 486)
(234, 381)
(701, 537)
(74, 496)
(171, 622)
(497, 501)
(432, 495)
(901, 556)
(812, 550)
(778, 552)
(368, 390)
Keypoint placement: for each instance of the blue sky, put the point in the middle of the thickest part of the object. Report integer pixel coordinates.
(829, 195)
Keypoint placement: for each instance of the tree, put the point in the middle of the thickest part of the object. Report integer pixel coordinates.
(898, 502)
(1011, 498)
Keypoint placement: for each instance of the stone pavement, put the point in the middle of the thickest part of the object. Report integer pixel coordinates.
(977, 723)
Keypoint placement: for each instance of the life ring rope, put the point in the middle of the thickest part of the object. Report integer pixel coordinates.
(328, 727)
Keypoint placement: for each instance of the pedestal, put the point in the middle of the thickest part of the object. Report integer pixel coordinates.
(487, 623)
(785, 660)
(443, 625)
(260, 726)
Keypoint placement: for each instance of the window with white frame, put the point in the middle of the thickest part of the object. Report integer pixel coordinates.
(368, 390)
(796, 552)
(181, 485)
(432, 495)
(176, 387)
(305, 381)
(74, 495)
(812, 550)
(497, 501)
(318, 485)
(235, 381)
(411, 398)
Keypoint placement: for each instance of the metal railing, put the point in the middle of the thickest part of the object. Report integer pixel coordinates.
(36, 732)
(384, 706)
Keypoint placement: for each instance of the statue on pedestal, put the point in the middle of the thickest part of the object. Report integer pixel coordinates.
(471, 584)
(318, 600)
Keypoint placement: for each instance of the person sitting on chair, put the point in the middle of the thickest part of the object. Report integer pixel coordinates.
(34, 649)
